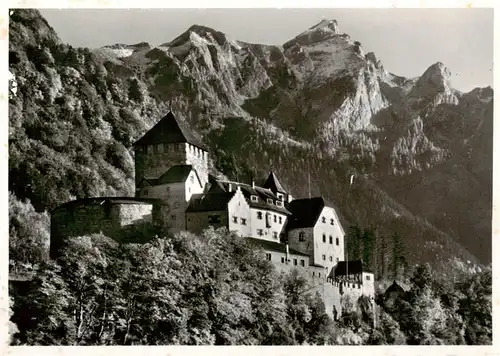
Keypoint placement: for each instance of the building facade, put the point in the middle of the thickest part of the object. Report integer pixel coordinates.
(175, 192)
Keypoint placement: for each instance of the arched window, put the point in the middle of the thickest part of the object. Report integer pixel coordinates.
(302, 236)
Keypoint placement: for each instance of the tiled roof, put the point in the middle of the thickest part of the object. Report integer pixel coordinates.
(176, 174)
(262, 193)
(351, 267)
(305, 212)
(170, 130)
(274, 246)
(209, 202)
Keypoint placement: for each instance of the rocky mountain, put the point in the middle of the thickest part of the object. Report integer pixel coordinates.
(420, 151)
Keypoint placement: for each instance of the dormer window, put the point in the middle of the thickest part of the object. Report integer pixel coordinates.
(279, 203)
(254, 198)
(280, 196)
(270, 201)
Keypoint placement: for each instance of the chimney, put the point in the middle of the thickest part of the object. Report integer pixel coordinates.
(230, 187)
(253, 184)
(287, 252)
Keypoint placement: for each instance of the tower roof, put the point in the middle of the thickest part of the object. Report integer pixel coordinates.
(170, 130)
(274, 184)
(305, 212)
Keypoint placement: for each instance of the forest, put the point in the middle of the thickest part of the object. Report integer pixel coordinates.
(217, 289)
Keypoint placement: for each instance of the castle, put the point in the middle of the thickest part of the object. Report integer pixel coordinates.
(175, 192)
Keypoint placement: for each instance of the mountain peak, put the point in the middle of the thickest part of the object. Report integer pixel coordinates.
(200, 30)
(322, 31)
(436, 79)
(327, 26)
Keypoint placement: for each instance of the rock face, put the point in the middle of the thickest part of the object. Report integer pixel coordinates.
(318, 99)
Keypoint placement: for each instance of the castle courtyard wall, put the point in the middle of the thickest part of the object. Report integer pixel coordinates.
(120, 221)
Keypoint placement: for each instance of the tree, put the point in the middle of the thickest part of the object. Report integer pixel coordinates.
(398, 262)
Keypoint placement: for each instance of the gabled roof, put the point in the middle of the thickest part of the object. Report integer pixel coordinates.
(147, 182)
(170, 130)
(209, 202)
(305, 212)
(274, 246)
(274, 184)
(398, 285)
(352, 267)
(177, 174)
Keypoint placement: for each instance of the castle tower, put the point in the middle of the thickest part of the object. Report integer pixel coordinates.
(169, 143)
(276, 187)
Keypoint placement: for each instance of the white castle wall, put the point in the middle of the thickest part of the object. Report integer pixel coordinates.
(331, 250)
(271, 233)
(239, 210)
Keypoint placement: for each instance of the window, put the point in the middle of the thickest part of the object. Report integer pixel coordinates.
(270, 201)
(324, 257)
(279, 203)
(174, 217)
(319, 275)
(367, 278)
(331, 259)
(331, 221)
(337, 241)
(275, 235)
(192, 179)
(323, 219)
(243, 221)
(235, 219)
(313, 274)
(282, 259)
(302, 263)
(331, 239)
(259, 232)
(145, 191)
(253, 198)
(259, 215)
(167, 189)
(359, 286)
(295, 262)
(280, 220)
(268, 256)
(275, 218)
(214, 219)
(302, 236)
(324, 238)
(176, 147)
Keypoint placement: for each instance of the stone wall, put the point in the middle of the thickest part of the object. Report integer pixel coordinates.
(306, 245)
(198, 158)
(154, 160)
(120, 220)
(196, 222)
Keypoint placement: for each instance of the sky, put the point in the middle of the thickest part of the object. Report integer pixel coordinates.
(407, 41)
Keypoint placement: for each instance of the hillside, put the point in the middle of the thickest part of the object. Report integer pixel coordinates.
(421, 152)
